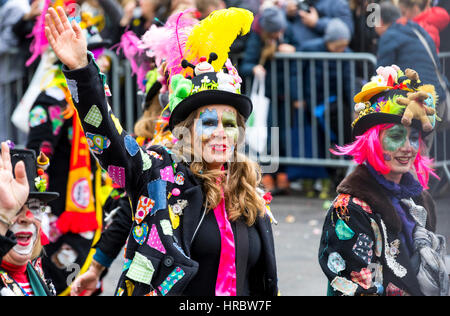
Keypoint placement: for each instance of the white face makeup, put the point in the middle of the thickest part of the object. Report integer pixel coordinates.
(216, 128)
(26, 235)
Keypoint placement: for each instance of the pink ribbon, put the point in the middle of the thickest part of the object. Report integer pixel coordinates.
(226, 276)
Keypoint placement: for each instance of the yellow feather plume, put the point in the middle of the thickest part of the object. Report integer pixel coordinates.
(216, 34)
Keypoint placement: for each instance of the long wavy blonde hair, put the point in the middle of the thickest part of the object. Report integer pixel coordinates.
(239, 180)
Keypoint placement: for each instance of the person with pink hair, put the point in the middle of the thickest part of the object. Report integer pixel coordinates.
(378, 235)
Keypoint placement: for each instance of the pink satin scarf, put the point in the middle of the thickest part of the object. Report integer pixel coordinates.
(226, 276)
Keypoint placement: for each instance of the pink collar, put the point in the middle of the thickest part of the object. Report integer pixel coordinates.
(226, 275)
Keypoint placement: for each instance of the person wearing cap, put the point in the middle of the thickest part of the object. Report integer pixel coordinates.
(200, 225)
(20, 268)
(378, 236)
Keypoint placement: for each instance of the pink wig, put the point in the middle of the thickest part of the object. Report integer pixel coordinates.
(367, 147)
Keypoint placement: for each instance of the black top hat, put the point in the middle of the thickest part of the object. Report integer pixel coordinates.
(210, 88)
(29, 158)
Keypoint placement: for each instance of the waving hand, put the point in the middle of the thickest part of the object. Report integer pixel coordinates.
(67, 40)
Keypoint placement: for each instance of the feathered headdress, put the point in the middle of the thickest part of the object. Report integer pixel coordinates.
(168, 43)
(216, 34)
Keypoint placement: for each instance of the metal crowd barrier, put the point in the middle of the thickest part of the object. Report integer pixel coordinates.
(289, 122)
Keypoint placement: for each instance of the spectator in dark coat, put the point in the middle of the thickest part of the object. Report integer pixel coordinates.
(400, 46)
(309, 25)
(267, 38)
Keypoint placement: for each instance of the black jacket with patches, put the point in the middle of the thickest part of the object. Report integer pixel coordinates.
(370, 242)
(148, 271)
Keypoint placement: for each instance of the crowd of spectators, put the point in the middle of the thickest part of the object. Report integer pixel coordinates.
(383, 28)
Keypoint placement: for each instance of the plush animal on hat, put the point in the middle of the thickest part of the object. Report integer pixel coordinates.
(416, 109)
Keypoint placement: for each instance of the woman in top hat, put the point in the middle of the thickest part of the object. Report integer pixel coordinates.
(200, 224)
(20, 273)
(378, 236)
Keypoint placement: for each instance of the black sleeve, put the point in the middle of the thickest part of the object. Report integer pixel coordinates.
(115, 236)
(6, 243)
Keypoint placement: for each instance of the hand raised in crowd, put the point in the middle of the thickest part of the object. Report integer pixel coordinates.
(310, 19)
(87, 282)
(13, 191)
(68, 41)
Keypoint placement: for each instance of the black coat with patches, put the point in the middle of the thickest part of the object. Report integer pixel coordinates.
(178, 246)
(398, 269)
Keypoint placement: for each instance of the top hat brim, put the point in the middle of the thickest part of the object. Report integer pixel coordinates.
(44, 196)
(368, 94)
(240, 102)
(373, 119)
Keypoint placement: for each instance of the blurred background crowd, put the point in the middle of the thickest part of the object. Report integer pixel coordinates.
(380, 28)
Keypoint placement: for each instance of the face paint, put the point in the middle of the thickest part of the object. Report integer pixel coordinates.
(207, 123)
(230, 125)
(395, 138)
(387, 157)
(26, 236)
(414, 139)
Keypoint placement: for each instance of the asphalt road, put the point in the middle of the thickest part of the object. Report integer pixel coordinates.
(297, 238)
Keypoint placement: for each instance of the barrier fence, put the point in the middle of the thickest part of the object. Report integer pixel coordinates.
(301, 133)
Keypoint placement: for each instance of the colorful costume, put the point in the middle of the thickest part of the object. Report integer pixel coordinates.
(378, 234)
(171, 223)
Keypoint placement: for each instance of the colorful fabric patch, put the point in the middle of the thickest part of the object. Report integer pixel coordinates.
(179, 179)
(152, 293)
(154, 240)
(94, 116)
(157, 192)
(335, 263)
(56, 118)
(140, 233)
(131, 145)
(343, 231)
(166, 227)
(363, 205)
(126, 265)
(363, 248)
(72, 85)
(97, 143)
(120, 291)
(341, 204)
(363, 278)
(175, 219)
(130, 287)
(144, 208)
(167, 174)
(377, 272)
(141, 269)
(344, 286)
(155, 155)
(146, 161)
(179, 207)
(171, 280)
(180, 250)
(116, 122)
(392, 290)
(38, 116)
(378, 238)
(117, 174)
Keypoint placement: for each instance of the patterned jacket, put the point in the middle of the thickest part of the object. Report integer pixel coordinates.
(361, 251)
(167, 200)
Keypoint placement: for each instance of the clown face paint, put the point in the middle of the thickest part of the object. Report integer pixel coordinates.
(217, 129)
(400, 148)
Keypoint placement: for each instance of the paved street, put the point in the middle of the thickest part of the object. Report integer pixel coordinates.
(297, 240)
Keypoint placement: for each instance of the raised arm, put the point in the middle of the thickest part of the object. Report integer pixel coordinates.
(117, 152)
